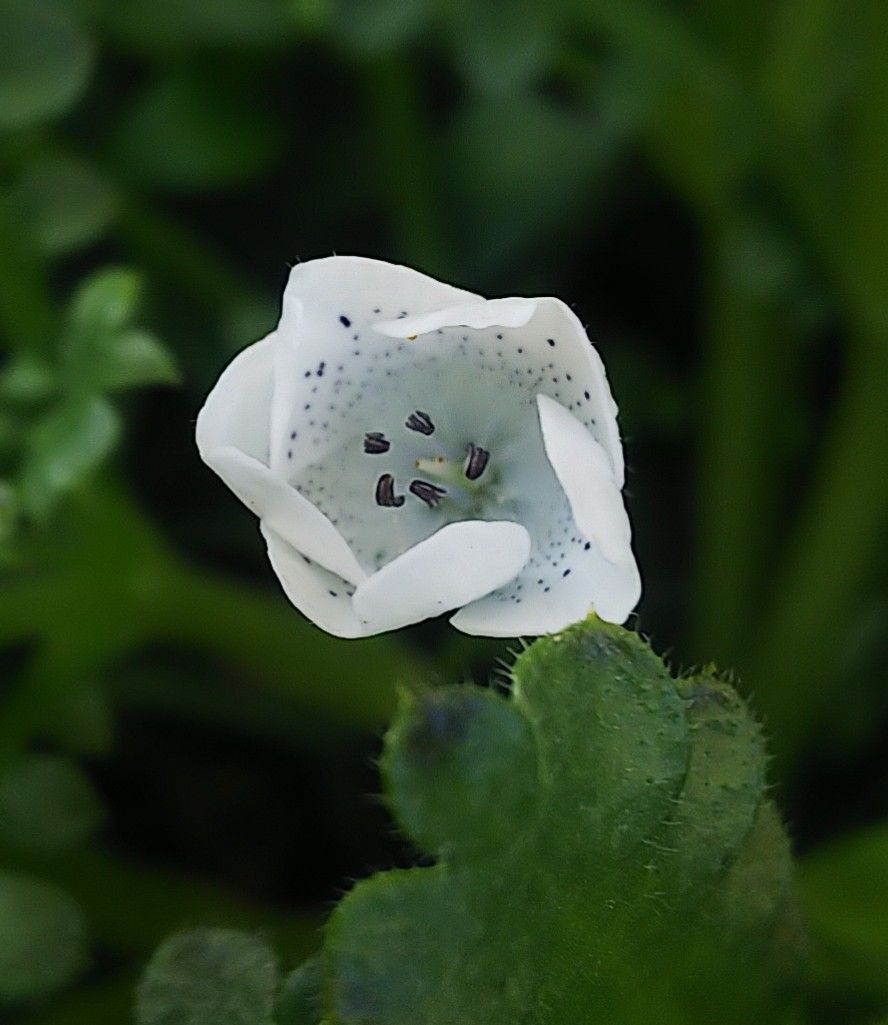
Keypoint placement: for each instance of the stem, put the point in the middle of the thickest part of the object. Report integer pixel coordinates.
(353, 683)
(27, 315)
(405, 161)
(816, 595)
(179, 256)
(109, 1002)
(131, 908)
(742, 382)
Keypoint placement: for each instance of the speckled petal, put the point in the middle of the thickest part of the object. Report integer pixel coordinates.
(328, 309)
(594, 585)
(585, 473)
(458, 564)
(540, 328)
(322, 596)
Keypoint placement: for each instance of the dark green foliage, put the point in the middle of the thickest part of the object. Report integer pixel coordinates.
(605, 852)
(704, 183)
(845, 887)
(301, 999)
(42, 938)
(209, 977)
(47, 804)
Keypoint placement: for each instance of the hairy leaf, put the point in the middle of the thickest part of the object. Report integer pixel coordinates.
(605, 853)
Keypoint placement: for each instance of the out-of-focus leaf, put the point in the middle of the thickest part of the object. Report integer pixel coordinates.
(844, 890)
(64, 448)
(42, 938)
(501, 47)
(186, 24)
(194, 130)
(137, 358)
(311, 16)
(9, 509)
(99, 351)
(47, 804)
(45, 61)
(209, 977)
(27, 379)
(374, 27)
(527, 172)
(67, 202)
(106, 302)
(83, 720)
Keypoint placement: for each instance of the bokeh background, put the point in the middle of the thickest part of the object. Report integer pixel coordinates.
(704, 183)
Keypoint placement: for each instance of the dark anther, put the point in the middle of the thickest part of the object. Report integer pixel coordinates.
(375, 443)
(421, 422)
(476, 462)
(431, 494)
(385, 492)
(344, 321)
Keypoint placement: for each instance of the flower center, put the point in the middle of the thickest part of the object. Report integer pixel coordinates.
(439, 478)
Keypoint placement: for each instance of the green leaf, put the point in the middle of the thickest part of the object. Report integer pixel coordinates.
(546, 161)
(300, 1002)
(375, 27)
(47, 804)
(67, 202)
(105, 302)
(137, 358)
(605, 852)
(844, 889)
(45, 61)
(27, 380)
(64, 449)
(503, 47)
(99, 351)
(42, 938)
(9, 511)
(198, 129)
(209, 977)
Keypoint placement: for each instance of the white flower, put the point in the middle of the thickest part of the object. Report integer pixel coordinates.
(411, 448)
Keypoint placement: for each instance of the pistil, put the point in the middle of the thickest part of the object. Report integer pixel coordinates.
(447, 471)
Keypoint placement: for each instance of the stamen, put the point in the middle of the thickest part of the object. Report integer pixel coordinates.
(431, 494)
(421, 422)
(476, 462)
(375, 443)
(385, 492)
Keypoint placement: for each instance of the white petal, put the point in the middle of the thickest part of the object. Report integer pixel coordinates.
(318, 594)
(232, 437)
(284, 510)
(594, 585)
(237, 411)
(458, 564)
(355, 284)
(515, 312)
(584, 471)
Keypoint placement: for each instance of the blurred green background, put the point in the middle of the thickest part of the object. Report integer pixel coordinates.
(705, 184)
